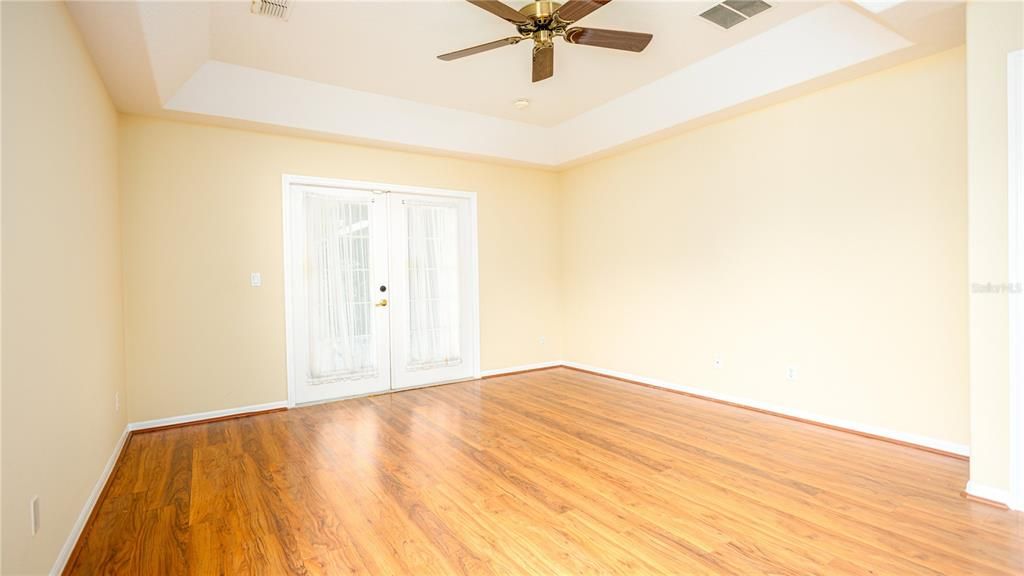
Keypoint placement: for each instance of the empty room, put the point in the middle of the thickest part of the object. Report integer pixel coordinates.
(418, 287)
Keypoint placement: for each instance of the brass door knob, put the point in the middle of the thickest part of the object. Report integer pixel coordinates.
(383, 302)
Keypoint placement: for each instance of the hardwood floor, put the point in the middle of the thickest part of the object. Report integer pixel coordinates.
(550, 472)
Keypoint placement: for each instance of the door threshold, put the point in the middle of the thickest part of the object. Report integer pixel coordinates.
(381, 392)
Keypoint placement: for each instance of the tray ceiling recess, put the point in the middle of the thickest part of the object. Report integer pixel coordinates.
(320, 68)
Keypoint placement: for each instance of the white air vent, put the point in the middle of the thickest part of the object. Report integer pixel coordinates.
(732, 12)
(273, 8)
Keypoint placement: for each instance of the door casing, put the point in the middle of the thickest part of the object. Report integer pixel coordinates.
(1015, 269)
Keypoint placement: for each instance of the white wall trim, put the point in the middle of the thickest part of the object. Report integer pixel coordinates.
(286, 233)
(520, 368)
(474, 280)
(934, 443)
(90, 503)
(187, 418)
(989, 493)
(372, 186)
(1015, 204)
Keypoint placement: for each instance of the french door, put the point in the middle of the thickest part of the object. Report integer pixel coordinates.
(381, 289)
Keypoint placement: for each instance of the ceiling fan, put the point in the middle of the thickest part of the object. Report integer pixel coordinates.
(543, 21)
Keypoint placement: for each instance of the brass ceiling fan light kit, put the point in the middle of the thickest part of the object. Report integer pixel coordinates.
(544, 21)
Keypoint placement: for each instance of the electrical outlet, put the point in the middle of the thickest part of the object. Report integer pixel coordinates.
(34, 507)
(256, 279)
(117, 401)
(543, 340)
(791, 373)
(718, 362)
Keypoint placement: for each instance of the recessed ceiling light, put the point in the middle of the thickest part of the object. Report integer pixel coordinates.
(521, 104)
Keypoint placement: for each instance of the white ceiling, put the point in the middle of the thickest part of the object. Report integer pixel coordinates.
(368, 70)
(391, 48)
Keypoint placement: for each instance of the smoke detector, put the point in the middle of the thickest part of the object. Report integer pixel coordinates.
(274, 8)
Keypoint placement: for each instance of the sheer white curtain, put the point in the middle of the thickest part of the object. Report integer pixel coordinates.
(434, 323)
(341, 339)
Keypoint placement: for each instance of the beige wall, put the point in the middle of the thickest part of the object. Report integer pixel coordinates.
(202, 209)
(994, 29)
(826, 233)
(62, 330)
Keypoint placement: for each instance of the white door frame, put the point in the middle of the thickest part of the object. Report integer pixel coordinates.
(1015, 205)
(287, 180)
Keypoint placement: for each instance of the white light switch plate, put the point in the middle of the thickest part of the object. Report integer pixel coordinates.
(256, 279)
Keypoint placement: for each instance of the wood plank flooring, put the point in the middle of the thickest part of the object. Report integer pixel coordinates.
(550, 472)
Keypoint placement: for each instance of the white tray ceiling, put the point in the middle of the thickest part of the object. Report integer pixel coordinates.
(367, 71)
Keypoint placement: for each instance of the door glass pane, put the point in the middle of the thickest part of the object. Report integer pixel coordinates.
(341, 338)
(434, 327)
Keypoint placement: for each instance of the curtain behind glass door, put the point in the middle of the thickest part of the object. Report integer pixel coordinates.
(341, 338)
(434, 319)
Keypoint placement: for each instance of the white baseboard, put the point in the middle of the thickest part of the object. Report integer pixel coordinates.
(522, 368)
(90, 503)
(925, 441)
(994, 494)
(157, 423)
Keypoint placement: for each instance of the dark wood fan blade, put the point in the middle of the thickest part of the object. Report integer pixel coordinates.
(543, 63)
(501, 10)
(573, 10)
(617, 39)
(478, 49)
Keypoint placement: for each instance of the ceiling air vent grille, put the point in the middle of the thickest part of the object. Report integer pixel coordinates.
(273, 8)
(732, 12)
